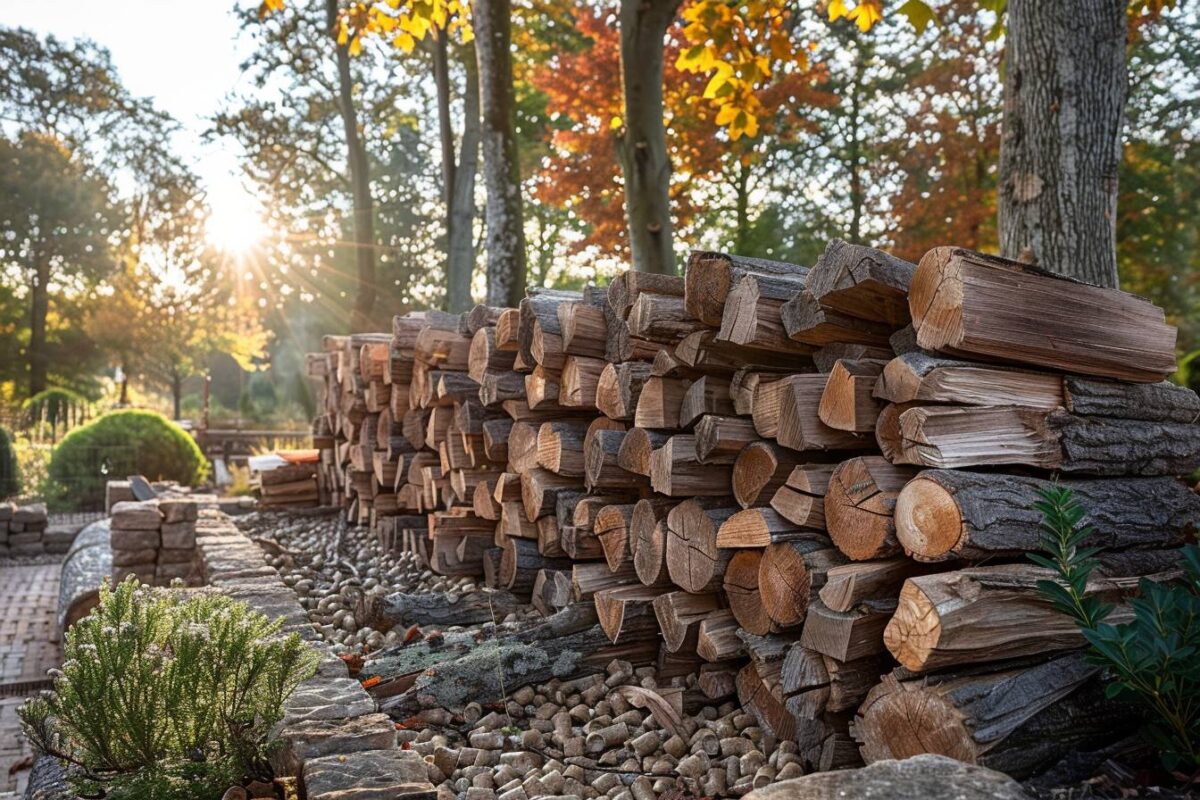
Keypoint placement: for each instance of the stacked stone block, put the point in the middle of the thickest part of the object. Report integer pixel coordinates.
(23, 529)
(155, 540)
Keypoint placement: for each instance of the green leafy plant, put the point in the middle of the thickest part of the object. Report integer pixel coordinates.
(59, 410)
(1154, 658)
(118, 444)
(10, 469)
(166, 696)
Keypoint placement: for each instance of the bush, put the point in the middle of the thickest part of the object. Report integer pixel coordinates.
(161, 696)
(1154, 659)
(119, 444)
(10, 470)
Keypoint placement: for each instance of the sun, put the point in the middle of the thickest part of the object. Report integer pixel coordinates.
(234, 229)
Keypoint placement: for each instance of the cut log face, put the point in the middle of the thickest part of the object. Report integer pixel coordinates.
(848, 585)
(947, 514)
(989, 717)
(758, 527)
(661, 318)
(634, 452)
(741, 590)
(659, 403)
(721, 438)
(694, 561)
(560, 447)
(918, 376)
(863, 282)
(847, 403)
(846, 636)
(717, 638)
(711, 276)
(986, 614)
(580, 381)
(676, 471)
(648, 529)
(789, 575)
(619, 387)
(584, 330)
(706, 395)
(859, 506)
(679, 616)
(612, 528)
(627, 612)
(968, 303)
(807, 321)
(761, 469)
(751, 317)
(800, 426)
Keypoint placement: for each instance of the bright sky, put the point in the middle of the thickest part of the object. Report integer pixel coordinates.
(183, 53)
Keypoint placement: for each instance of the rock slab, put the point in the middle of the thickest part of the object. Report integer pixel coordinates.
(924, 777)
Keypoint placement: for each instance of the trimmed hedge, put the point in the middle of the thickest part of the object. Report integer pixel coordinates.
(119, 444)
(10, 470)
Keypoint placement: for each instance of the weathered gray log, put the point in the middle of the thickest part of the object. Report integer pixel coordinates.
(402, 609)
(952, 514)
(863, 282)
(87, 564)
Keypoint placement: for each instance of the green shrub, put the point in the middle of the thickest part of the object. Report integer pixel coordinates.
(10, 470)
(1154, 659)
(118, 444)
(161, 696)
(56, 409)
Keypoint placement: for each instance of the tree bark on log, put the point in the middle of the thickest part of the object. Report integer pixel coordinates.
(401, 609)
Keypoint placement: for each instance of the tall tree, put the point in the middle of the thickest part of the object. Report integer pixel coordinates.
(360, 175)
(643, 145)
(57, 218)
(458, 170)
(1064, 100)
(492, 21)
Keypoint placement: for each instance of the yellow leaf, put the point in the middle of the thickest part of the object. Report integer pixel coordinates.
(404, 42)
(356, 45)
(615, 123)
(727, 114)
(837, 10)
(866, 14)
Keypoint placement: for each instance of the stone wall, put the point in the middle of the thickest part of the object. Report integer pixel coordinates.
(26, 531)
(333, 736)
(155, 540)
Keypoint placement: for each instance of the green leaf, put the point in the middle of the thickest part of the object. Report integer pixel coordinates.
(919, 14)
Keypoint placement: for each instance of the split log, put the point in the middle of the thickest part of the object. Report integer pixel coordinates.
(619, 389)
(539, 491)
(495, 439)
(602, 467)
(496, 387)
(679, 616)
(760, 470)
(636, 447)
(627, 613)
(584, 330)
(847, 403)
(523, 447)
(694, 561)
(542, 387)
(721, 438)
(859, 506)
(807, 321)
(711, 276)
(799, 423)
(590, 577)
(484, 356)
(703, 351)
(706, 395)
(888, 437)
(758, 690)
(922, 377)
(508, 330)
(581, 544)
(744, 385)
(954, 437)
(648, 531)
(752, 317)
(802, 498)
(847, 635)
(944, 514)
(613, 529)
(826, 357)
(968, 303)
(862, 282)
(579, 382)
(623, 295)
(676, 471)
(826, 684)
(659, 403)
(560, 447)
(661, 318)
(741, 590)
(520, 562)
(848, 585)
(400, 609)
(991, 613)
(717, 638)
(1021, 720)
(758, 527)
(791, 572)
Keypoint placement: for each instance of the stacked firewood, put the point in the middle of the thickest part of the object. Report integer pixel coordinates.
(789, 480)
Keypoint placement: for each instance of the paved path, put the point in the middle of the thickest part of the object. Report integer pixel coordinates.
(29, 645)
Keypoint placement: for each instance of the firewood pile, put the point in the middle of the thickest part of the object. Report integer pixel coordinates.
(813, 488)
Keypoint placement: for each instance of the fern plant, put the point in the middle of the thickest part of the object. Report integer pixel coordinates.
(1154, 658)
(164, 696)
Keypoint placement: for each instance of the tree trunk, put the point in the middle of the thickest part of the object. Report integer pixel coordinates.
(643, 147)
(1064, 101)
(176, 392)
(40, 309)
(360, 181)
(501, 168)
(458, 175)
(123, 401)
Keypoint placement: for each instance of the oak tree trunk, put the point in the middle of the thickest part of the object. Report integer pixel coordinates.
(1064, 99)
(360, 181)
(501, 169)
(643, 146)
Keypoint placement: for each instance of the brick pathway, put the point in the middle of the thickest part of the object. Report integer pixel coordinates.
(29, 645)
